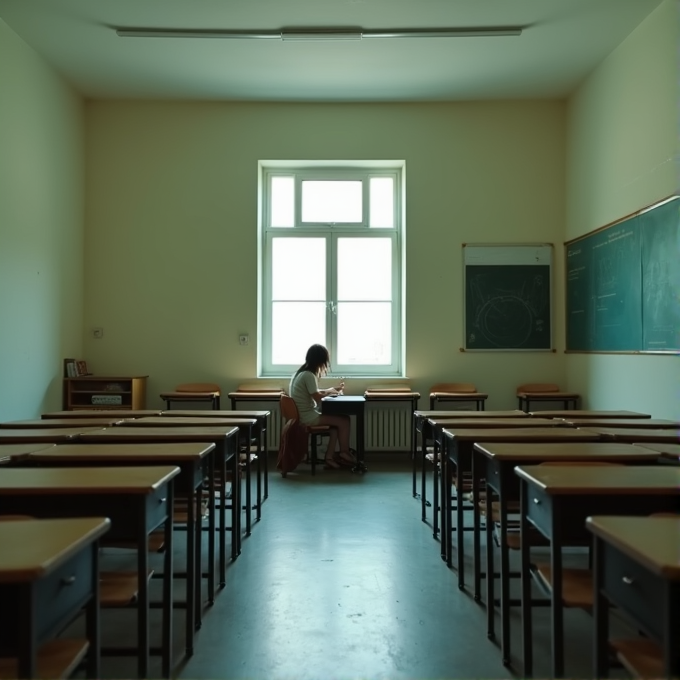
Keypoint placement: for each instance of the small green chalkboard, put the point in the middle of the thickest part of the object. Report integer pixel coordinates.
(507, 297)
(623, 283)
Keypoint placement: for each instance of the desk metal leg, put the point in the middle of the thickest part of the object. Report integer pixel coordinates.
(168, 559)
(600, 614)
(143, 596)
(423, 476)
(414, 453)
(435, 489)
(93, 619)
(211, 528)
(505, 575)
(490, 597)
(527, 651)
(556, 593)
(476, 530)
(191, 571)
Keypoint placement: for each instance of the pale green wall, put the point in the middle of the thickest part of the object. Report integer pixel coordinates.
(171, 243)
(41, 229)
(623, 155)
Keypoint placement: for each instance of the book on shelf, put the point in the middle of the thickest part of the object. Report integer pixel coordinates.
(70, 368)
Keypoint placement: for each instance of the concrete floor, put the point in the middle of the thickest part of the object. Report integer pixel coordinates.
(342, 579)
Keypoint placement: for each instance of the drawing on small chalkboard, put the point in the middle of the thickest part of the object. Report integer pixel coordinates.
(507, 297)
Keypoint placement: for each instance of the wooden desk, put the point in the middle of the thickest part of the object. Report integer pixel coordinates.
(634, 435)
(420, 426)
(585, 413)
(59, 423)
(459, 453)
(226, 450)
(10, 452)
(102, 413)
(49, 571)
(637, 570)
(436, 426)
(557, 501)
(478, 398)
(136, 499)
(194, 462)
(39, 435)
(671, 451)
(497, 462)
(260, 433)
(350, 406)
(524, 399)
(272, 397)
(618, 423)
(245, 426)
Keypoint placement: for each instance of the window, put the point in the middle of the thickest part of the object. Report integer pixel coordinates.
(331, 252)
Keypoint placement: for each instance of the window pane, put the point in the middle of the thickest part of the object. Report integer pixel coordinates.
(331, 201)
(295, 327)
(283, 202)
(364, 333)
(382, 202)
(364, 269)
(299, 269)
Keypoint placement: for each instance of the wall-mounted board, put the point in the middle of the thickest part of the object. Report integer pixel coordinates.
(623, 284)
(507, 296)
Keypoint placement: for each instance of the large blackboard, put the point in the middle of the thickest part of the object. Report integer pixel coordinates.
(507, 297)
(623, 284)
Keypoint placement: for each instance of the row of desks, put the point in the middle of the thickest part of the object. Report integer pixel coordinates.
(109, 476)
(500, 455)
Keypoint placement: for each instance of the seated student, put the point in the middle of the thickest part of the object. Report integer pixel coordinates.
(305, 391)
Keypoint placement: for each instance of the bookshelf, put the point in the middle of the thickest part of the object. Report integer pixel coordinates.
(91, 392)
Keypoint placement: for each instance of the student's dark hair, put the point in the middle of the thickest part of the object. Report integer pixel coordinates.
(317, 360)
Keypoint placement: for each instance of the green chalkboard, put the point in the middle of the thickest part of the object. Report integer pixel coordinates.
(623, 283)
(507, 297)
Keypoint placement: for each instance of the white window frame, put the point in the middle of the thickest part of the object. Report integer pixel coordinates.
(321, 171)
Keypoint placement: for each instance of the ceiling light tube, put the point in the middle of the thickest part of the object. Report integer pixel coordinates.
(481, 32)
(196, 33)
(299, 34)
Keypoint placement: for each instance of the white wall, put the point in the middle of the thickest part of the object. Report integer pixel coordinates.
(41, 230)
(171, 235)
(622, 156)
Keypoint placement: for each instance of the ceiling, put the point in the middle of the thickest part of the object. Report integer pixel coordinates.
(562, 41)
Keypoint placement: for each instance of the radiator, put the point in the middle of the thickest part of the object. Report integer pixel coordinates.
(387, 427)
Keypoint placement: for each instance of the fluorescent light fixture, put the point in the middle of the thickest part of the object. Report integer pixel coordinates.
(321, 34)
(301, 34)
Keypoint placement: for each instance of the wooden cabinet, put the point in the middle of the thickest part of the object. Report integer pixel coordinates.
(105, 392)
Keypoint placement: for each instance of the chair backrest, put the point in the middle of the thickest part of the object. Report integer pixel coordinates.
(453, 387)
(198, 387)
(538, 387)
(259, 387)
(288, 408)
(388, 388)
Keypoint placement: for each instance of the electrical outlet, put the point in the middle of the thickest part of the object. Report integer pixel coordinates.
(243, 339)
(97, 333)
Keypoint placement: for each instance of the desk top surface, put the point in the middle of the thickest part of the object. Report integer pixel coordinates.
(38, 546)
(86, 480)
(593, 480)
(42, 434)
(521, 434)
(396, 395)
(652, 541)
(184, 421)
(262, 395)
(585, 413)
(463, 423)
(101, 453)
(586, 451)
(9, 450)
(102, 413)
(206, 413)
(60, 423)
(636, 434)
(660, 447)
(345, 399)
(538, 396)
(470, 414)
(635, 423)
(160, 434)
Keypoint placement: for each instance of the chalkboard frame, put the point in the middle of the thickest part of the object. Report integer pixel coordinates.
(508, 280)
(638, 224)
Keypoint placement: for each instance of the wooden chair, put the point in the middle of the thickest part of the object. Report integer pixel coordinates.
(456, 392)
(289, 412)
(529, 392)
(193, 392)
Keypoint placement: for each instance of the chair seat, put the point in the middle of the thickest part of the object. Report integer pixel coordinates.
(641, 657)
(577, 585)
(56, 659)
